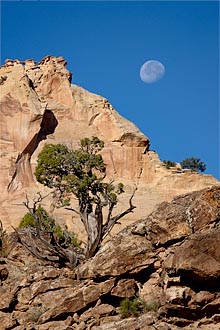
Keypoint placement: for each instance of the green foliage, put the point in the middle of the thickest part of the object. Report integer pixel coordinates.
(79, 172)
(27, 220)
(82, 173)
(194, 164)
(136, 306)
(169, 163)
(69, 239)
(48, 224)
(50, 164)
(92, 146)
(129, 307)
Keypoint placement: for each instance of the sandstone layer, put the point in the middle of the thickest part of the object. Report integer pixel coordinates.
(170, 260)
(40, 105)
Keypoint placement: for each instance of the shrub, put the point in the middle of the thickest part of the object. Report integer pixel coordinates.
(27, 220)
(69, 238)
(129, 307)
(169, 163)
(136, 306)
(48, 224)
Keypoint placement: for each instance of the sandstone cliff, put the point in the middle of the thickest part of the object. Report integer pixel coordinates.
(170, 260)
(40, 105)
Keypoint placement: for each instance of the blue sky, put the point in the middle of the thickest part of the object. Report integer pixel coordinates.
(106, 43)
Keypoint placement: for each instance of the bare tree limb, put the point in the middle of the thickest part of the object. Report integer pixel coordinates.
(33, 249)
(71, 209)
(56, 252)
(33, 210)
(113, 220)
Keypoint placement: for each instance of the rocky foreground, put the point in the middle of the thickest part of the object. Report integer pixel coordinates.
(170, 260)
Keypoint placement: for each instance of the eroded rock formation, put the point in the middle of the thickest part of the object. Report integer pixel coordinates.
(40, 105)
(170, 260)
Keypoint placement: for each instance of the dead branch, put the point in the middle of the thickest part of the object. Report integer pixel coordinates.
(73, 210)
(33, 249)
(40, 247)
(111, 221)
(33, 210)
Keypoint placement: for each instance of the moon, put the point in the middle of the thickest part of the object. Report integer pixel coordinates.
(152, 71)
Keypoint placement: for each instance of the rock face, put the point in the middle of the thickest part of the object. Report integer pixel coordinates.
(40, 105)
(170, 260)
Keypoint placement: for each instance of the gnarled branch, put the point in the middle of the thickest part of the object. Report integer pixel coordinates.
(47, 250)
(111, 221)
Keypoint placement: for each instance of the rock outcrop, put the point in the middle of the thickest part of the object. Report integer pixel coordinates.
(40, 105)
(170, 260)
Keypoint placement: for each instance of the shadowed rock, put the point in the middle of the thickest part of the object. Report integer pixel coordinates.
(176, 276)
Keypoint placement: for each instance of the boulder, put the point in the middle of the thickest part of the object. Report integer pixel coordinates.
(198, 258)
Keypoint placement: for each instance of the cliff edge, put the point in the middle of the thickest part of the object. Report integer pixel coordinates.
(40, 105)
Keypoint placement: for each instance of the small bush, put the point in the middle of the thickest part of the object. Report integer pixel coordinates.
(48, 224)
(129, 307)
(27, 220)
(169, 164)
(69, 238)
(136, 306)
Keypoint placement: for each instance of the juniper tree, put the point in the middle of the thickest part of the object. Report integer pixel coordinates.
(194, 164)
(82, 173)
